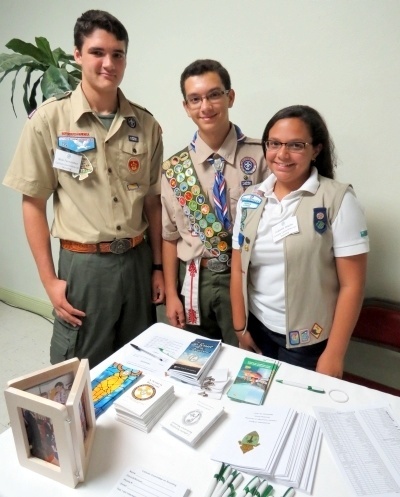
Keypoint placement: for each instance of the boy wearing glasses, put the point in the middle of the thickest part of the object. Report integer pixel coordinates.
(200, 187)
(99, 155)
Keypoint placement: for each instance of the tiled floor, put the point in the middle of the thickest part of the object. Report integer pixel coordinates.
(24, 348)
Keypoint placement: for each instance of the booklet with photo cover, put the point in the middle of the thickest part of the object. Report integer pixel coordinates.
(194, 363)
(253, 380)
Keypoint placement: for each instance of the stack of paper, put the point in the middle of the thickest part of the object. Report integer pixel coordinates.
(144, 404)
(365, 443)
(192, 419)
(272, 442)
(253, 381)
(194, 363)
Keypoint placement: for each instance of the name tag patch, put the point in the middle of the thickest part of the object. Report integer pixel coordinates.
(285, 228)
(67, 161)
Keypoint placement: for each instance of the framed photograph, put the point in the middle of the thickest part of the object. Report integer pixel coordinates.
(52, 420)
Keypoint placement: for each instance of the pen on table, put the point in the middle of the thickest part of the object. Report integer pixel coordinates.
(219, 492)
(166, 353)
(222, 479)
(233, 485)
(249, 487)
(289, 492)
(146, 352)
(215, 480)
(301, 385)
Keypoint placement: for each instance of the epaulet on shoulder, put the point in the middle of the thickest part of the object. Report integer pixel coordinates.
(141, 108)
(55, 98)
(252, 141)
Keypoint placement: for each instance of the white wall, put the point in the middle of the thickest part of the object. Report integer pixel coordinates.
(340, 56)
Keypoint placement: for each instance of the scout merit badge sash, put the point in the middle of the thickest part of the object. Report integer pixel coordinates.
(203, 222)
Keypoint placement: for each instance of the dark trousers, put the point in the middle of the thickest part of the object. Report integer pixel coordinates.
(115, 293)
(273, 345)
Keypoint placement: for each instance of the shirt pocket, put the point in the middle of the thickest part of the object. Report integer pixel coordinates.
(133, 163)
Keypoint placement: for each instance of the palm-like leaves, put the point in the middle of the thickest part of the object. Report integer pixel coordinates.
(59, 72)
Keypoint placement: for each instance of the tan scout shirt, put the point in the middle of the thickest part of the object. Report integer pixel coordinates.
(236, 155)
(126, 163)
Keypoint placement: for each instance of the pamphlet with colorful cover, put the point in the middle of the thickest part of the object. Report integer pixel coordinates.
(196, 360)
(110, 384)
(253, 380)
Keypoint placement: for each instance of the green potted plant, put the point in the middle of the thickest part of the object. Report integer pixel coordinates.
(58, 71)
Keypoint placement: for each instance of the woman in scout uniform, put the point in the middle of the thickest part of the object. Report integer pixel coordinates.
(299, 250)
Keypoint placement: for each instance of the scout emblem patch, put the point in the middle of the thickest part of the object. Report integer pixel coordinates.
(248, 165)
(320, 220)
(316, 330)
(294, 338)
(249, 442)
(131, 122)
(133, 165)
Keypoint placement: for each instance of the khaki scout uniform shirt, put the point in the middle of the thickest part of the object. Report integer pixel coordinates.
(126, 163)
(240, 157)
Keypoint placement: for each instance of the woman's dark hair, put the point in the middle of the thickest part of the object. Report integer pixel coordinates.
(98, 19)
(325, 161)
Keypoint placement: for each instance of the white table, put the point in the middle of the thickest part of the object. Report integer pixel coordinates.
(118, 446)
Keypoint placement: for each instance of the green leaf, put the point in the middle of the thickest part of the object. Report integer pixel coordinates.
(77, 75)
(14, 62)
(12, 91)
(32, 98)
(74, 82)
(59, 54)
(25, 86)
(24, 48)
(44, 47)
(54, 81)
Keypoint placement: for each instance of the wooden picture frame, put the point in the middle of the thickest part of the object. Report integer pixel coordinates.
(52, 420)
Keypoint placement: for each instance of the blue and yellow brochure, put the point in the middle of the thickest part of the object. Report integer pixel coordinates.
(253, 380)
(110, 384)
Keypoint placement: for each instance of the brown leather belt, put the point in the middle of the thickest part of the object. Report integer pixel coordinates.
(115, 247)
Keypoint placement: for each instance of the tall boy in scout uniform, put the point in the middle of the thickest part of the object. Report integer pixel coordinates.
(100, 156)
(200, 187)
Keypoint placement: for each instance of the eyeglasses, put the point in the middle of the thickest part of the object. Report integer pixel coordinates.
(275, 145)
(213, 96)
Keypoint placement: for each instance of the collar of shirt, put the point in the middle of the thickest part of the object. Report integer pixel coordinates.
(227, 149)
(80, 105)
(311, 185)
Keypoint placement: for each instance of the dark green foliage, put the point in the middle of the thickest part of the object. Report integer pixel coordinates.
(59, 72)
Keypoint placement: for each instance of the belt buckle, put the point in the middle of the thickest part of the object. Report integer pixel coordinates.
(120, 246)
(217, 266)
